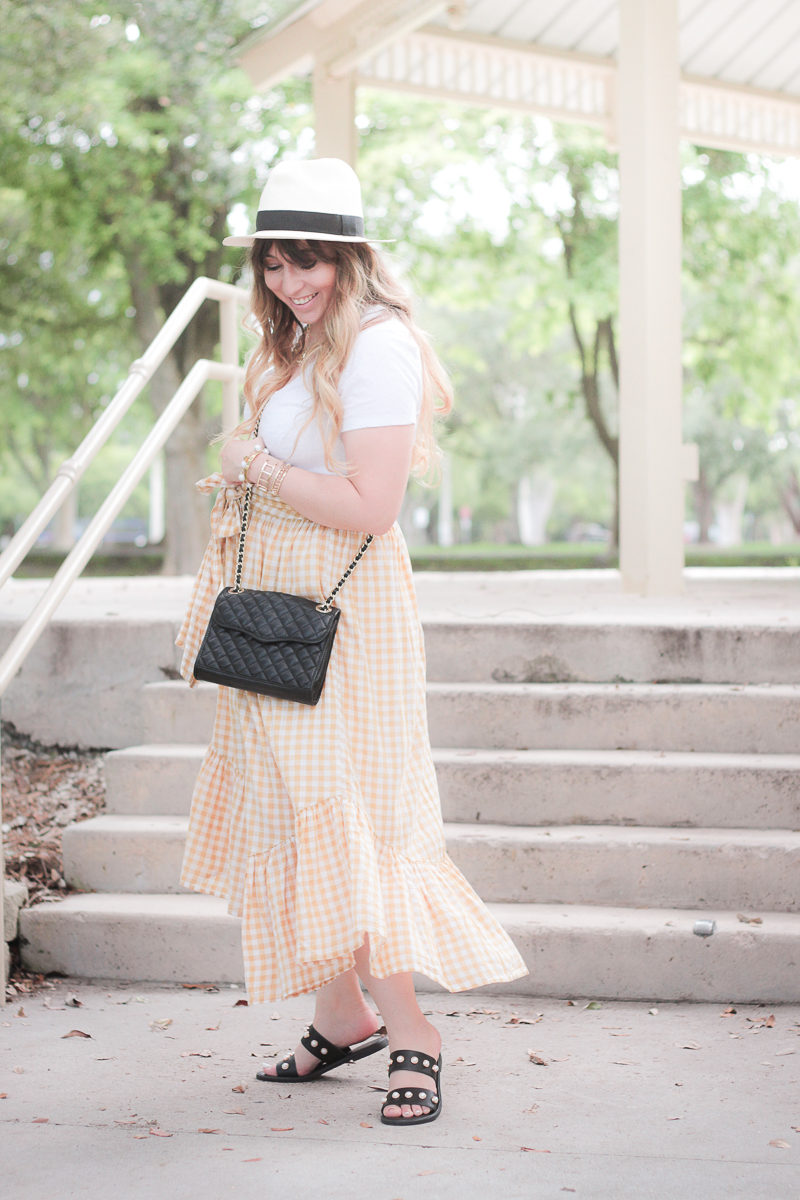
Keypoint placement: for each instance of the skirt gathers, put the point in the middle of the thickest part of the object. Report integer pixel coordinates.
(320, 825)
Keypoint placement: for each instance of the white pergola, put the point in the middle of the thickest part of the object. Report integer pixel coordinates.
(723, 73)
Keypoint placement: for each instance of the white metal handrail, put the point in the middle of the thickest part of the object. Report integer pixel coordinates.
(139, 374)
(227, 371)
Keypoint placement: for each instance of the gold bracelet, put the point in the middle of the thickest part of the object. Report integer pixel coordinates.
(277, 482)
(272, 466)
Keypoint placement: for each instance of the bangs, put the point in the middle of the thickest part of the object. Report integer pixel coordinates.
(300, 254)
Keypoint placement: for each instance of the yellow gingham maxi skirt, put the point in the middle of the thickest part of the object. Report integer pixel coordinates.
(320, 825)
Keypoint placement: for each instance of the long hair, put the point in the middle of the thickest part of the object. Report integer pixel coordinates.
(362, 282)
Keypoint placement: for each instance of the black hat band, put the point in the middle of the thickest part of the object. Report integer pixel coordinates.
(309, 222)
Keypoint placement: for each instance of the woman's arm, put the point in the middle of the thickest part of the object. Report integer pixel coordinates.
(367, 500)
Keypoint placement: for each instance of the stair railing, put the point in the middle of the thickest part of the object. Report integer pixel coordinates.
(227, 370)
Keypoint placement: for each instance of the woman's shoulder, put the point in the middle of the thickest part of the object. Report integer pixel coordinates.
(383, 333)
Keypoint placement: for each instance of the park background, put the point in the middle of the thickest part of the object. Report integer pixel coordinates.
(131, 143)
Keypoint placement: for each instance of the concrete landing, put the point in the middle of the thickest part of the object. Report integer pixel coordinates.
(634, 1102)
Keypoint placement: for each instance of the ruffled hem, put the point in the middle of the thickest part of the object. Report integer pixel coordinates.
(294, 944)
(214, 846)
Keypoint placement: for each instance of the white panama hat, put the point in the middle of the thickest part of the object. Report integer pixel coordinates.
(315, 200)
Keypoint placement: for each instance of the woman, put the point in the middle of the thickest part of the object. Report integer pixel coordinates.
(321, 825)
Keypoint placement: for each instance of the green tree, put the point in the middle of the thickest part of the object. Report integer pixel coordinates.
(132, 155)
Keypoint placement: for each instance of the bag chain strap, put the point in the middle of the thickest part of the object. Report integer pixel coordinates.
(327, 604)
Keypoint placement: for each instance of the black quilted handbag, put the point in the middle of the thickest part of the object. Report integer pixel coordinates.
(269, 642)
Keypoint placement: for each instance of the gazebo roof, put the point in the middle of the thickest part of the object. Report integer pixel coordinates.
(740, 59)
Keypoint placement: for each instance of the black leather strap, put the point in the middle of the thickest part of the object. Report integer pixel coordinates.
(414, 1060)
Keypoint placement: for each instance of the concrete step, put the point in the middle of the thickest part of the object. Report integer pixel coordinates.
(761, 719)
(579, 864)
(571, 649)
(579, 951)
(532, 787)
(734, 719)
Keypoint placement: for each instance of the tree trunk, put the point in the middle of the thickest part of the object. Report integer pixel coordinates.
(790, 498)
(185, 458)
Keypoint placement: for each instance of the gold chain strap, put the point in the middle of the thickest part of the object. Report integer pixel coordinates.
(326, 605)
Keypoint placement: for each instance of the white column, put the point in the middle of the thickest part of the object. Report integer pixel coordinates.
(651, 463)
(335, 115)
(444, 525)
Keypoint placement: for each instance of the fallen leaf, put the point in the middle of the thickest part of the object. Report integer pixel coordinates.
(796, 1128)
(592, 1004)
(234, 1112)
(243, 1004)
(239, 1088)
(75, 1033)
(209, 1131)
(196, 1054)
(212, 1028)
(251, 1160)
(322, 1121)
(159, 1133)
(73, 1002)
(475, 1138)
(18, 1070)
(281, 1128)
(653, 1012)
(537, 1058)
(674, 1118)
(140, 1137)
(730, 1011)
(365, 1125)
(40, 1120)
(780, 1144)
(691, 1046)
(20, 1012)
(533, 1150)
(749, 920)
(3, 1095)
(276, 1016)
(770, 1021)
(515, 1020)
(160, 1023)
(780, 1053)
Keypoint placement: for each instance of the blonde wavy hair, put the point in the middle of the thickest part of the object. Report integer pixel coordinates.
(362, 282)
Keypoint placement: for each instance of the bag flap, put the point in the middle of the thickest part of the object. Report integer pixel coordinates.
(273, 617)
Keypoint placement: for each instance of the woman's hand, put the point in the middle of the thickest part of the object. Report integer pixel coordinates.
(232, 454)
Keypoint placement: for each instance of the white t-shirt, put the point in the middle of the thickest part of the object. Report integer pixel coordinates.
(381, 385)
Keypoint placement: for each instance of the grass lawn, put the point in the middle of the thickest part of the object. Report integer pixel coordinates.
(477, 556)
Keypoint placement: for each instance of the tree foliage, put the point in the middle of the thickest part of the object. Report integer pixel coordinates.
(125, 159)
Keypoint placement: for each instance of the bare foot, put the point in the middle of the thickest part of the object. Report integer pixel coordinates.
(342, 1028)
(426, 1038)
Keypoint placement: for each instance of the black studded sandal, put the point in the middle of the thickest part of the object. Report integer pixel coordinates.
(329, 1056)
(414, 1060)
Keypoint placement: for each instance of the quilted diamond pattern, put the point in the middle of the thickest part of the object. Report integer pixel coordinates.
(268, 642)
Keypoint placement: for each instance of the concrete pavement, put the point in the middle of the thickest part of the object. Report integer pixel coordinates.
(640, 1100)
